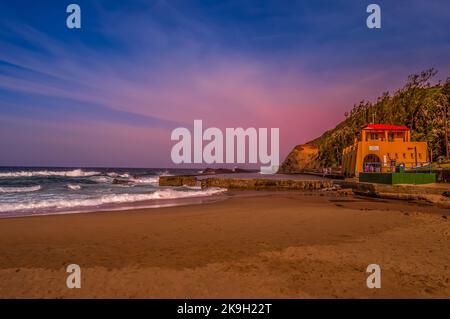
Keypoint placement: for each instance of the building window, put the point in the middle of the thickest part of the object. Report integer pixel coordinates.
(420, 155)
(404, 155)
(412, 155)
(391, 137)
(396, 155)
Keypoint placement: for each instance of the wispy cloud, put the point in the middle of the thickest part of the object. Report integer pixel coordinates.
(135, 72)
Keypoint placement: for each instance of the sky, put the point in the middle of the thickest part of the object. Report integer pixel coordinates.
(109, 94)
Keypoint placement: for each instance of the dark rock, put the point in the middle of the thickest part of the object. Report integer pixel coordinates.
(118, 181)
(177, 180)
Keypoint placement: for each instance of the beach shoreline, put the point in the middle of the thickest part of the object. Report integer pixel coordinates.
(123, 207)
(251, 245)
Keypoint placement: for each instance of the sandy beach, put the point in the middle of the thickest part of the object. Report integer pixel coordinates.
(249, 245)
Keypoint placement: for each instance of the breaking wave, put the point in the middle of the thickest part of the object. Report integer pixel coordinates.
(71, 204)
(20, 189)
(71, 173)
(150, 180)
(74, 187)
(164, 173)
(114, 174)
(101, 179)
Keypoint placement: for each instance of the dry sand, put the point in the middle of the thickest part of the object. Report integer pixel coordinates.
(250, 245)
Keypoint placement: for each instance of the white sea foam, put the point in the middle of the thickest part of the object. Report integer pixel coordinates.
(20, 189)
(71, 173)
(146, 180)
(74, 187)
(64, 203)
(193, 187)
(101, 179)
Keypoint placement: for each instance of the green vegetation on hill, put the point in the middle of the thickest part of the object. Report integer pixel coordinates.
(420, 105)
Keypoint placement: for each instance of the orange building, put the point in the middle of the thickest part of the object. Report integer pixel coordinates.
(381, 149)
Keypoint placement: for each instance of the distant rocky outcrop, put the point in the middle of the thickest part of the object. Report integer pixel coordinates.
(266, 184)
(302, 158)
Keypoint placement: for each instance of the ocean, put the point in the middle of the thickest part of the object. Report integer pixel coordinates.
(26, 191)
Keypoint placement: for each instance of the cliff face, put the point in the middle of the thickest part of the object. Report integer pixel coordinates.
(302, 157)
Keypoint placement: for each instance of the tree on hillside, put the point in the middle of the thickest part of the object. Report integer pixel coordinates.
(421, 106)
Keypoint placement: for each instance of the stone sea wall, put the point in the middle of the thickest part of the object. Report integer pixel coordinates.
(178, 180)
(246, 183)
(362, 188)
(302, 158)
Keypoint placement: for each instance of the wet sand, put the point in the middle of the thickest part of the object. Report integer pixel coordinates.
(253, 245)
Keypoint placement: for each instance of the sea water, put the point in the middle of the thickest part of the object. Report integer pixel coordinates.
(36, 191)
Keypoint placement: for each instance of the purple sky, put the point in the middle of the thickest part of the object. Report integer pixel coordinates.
(111, 93)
